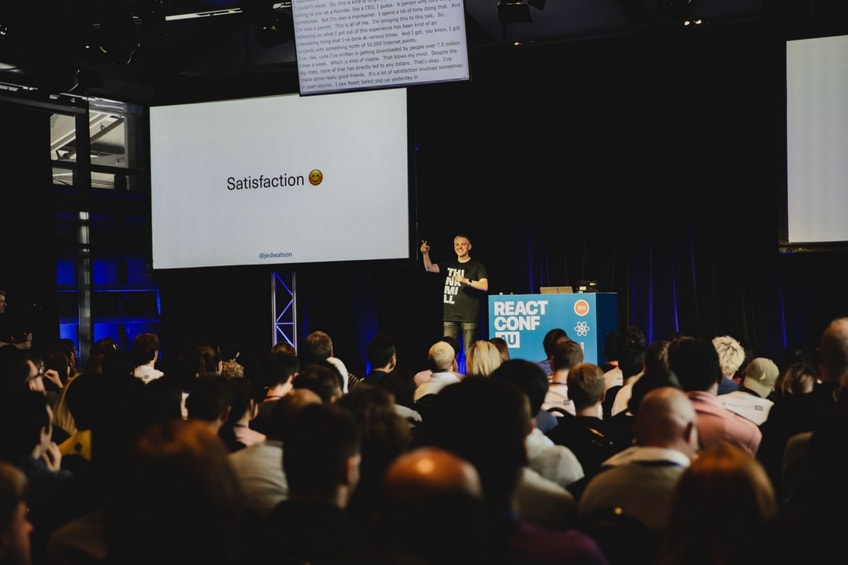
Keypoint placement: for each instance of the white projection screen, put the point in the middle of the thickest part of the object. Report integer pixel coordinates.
(280, 180)
(817, 140)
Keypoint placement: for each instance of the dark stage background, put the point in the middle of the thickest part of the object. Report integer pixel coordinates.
(654, 165)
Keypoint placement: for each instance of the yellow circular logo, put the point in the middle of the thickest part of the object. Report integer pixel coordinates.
(315, 177)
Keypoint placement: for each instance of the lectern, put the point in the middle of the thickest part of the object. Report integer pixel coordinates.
(524, 319)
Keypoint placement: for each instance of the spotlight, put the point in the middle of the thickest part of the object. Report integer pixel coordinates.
(114, 36)
(513, 11)
(269, 27)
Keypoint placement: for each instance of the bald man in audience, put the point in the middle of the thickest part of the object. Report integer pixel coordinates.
(431, 486)
(640, 480)
(626, 506)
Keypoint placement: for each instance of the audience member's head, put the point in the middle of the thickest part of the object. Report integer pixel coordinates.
(379, 422)
(723, 507)
(566, 353)
(210, 399)
(279, 368)
(454, 343)
(527, 376)
(15, 527)
(441, 357)
(551, 338)
(431, 486)
(503, 347)
(610, 348)
(483, 357)
(694, 361)
(209, 360)
(321, 458)
(281, 414)
(185, 501)
(486, 422)
(798, 378)
(145, 347)
(631, 350)
(656, 375)
(760, 375)
(385, 435)
(318, 346)
(322, 379)
(586, 384)
(381, 352)
(731, 354)
(667, 419)
(832, 352)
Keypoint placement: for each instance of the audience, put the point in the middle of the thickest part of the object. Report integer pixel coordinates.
(422, 375)
(425, 488)
(318, 348)
(630, 348)
(441, 361)
(550, 340)
(655, 354)
(321, 458)
(553, 462)
(752, 397)
(300, 469)
(259, 467)
(503, 347)
(182, 502)
(815, 463)
(385, 435)
(695, 363)
(381, 355)
(145, 349)
(586, 434)
(278, 371)
(210, 402)
(798, 405)
(242, 412)
(634, 490)
(565, 353)
(486, 421)
(322, 379)
(723, 511)
(26, 442)
(209, 360)
(482, 358)
(731, 357)
(15, 527)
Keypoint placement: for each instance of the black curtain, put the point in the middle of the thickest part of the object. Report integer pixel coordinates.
(654, 165)
(27, 233)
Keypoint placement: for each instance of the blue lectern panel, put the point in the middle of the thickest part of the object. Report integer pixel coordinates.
(524, 319)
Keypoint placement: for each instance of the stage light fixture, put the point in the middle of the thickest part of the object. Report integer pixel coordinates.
(269, 27)
(513, 11)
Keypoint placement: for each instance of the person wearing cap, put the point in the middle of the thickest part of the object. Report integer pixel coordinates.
(752, 399)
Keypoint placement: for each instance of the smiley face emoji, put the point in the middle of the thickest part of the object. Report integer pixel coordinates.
(315, 177)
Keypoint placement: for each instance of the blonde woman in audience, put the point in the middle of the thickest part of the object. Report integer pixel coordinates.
(483, 358)
(731, 357)
(724, 511)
